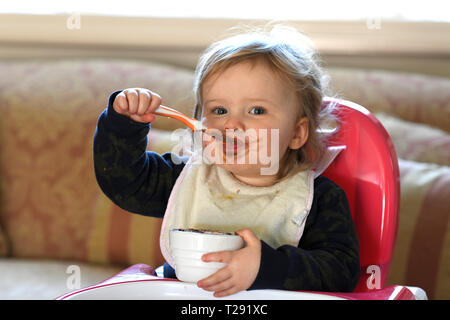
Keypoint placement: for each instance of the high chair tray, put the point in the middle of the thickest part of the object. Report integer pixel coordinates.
(139, 282)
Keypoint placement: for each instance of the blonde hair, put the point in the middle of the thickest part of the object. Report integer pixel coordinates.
(291, 55)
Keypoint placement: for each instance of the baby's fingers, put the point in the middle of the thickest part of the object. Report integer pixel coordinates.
(218, 281)
(210, 283)
(144, 101)
(220, 256)
(226, 292)
(249, 237)
(133, 100)
(121, 104)
(155, 102)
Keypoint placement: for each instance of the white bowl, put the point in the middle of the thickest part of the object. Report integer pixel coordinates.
(187, 248)
(204, 241)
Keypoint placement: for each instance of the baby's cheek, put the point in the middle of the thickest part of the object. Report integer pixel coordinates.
(270, 142)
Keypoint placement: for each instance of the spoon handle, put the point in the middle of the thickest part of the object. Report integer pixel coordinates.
(192, 123)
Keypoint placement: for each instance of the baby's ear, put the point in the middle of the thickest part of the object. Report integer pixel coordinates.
(301, 133)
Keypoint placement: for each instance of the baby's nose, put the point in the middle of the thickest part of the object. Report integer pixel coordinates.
(234, 123)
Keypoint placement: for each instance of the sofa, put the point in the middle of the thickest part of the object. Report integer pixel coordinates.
(58, 232)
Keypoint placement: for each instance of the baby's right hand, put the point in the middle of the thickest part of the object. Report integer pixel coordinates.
(137, 103)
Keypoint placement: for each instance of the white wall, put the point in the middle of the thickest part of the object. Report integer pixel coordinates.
(422, 47)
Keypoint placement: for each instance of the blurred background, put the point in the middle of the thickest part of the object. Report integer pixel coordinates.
(60, 60)
(401, 35)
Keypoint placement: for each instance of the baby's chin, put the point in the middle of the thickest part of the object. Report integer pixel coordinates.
(248, 173)
(240, 169)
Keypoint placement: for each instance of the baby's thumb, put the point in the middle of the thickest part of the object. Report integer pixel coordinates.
(148, 117)
(145, 118)
(248, 236)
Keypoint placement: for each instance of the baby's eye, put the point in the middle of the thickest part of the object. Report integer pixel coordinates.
(257, 110)
(219, 110)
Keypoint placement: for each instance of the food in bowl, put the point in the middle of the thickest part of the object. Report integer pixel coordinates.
(204, 231)
(187, 246)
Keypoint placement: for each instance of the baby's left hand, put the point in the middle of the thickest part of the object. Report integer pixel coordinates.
(241, 269)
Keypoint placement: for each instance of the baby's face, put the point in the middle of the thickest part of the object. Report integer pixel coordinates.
(256, 113)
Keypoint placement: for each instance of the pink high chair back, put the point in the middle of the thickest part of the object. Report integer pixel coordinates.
(368, 172)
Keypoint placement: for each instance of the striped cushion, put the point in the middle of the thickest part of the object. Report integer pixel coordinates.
(119, 237)
(422, 253)
(3, 244)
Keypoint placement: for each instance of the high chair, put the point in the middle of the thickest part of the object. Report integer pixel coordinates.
(366, 167)
(368, 172)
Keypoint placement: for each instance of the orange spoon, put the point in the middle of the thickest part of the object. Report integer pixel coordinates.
(192, 123)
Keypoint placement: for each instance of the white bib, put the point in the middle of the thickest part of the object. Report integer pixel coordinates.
(209, 197)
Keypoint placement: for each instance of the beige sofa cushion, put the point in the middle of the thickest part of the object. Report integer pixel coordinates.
(422, 252)
(412, 97)
(3, 244)
(417, 142)
(50, 203)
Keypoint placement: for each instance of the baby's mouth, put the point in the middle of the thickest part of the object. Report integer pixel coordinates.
(233, 145)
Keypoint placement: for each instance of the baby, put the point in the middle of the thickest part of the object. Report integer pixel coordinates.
(295, 223)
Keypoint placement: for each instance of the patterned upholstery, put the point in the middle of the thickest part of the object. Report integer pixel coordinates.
(50, 202)
(411, 97)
